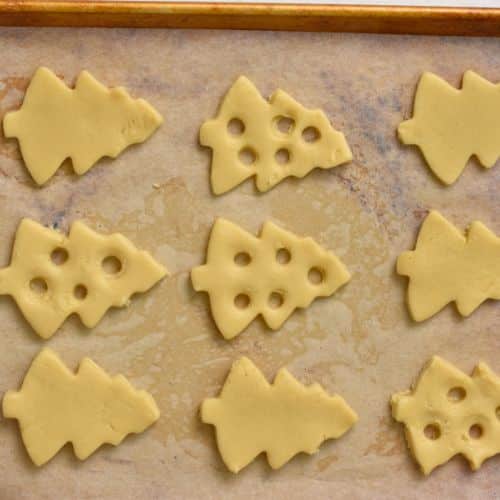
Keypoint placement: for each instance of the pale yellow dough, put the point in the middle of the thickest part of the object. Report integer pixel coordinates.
(87, 409)
(252, 416)
(274, 288)
(263, 135)
(84, 123)
(450, 125)
(47, 291)
(447, 266)
(465, 420)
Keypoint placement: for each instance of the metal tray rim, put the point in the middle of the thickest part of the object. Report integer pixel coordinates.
(294, 17)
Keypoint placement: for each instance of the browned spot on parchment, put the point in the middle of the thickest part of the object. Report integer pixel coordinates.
(10, 149)
(388, 441)
(324, 463)
(13, 82)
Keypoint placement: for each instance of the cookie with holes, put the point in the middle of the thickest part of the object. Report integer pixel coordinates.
(270, 140)
(270, 275)
(449, 413)
(52, 275)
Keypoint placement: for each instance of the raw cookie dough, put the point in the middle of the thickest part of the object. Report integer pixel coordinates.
(52, 276)
(450, 125)
(269, 139)
(84, 123)
(449, 413)
(447, 266)
(269, 275)
(89, 408)
(252, 416)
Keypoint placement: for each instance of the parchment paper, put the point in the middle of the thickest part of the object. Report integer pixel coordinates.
(360, 343)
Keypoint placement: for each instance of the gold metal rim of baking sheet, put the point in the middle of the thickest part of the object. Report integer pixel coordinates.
(345, 18)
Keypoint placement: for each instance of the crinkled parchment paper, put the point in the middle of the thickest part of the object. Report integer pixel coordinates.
(360, 343)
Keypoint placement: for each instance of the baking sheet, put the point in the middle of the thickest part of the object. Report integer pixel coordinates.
(360, 343)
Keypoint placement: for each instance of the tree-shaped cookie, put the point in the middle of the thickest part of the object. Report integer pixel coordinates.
(450, 125)
(52, 276)
(270, 275)
(447, 266)
(84, 123)
(270, 140)
(448, 413)
(281, 419)
(87, 409)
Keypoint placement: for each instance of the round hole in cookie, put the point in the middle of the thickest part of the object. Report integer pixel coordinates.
(283, 256)
(247, 156)
(242, 301)
(242, 259)
(235, 126)
(316, 276)
(432, 431)
(456, 394)
(80, 292)
(38, 286)
(59, 256)
(284, 124)
(275, 300)
(497, 411)
(282, 156)
(111, 265)
(311, 134)
(475, 431)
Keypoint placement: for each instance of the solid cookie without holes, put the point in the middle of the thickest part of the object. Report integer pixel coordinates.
(87, 409)
(447, 266)
(450, 125)
(271, 275)
(52, 276)
(84, 123)
(269, 140)
(252, 416)
(448, 413)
